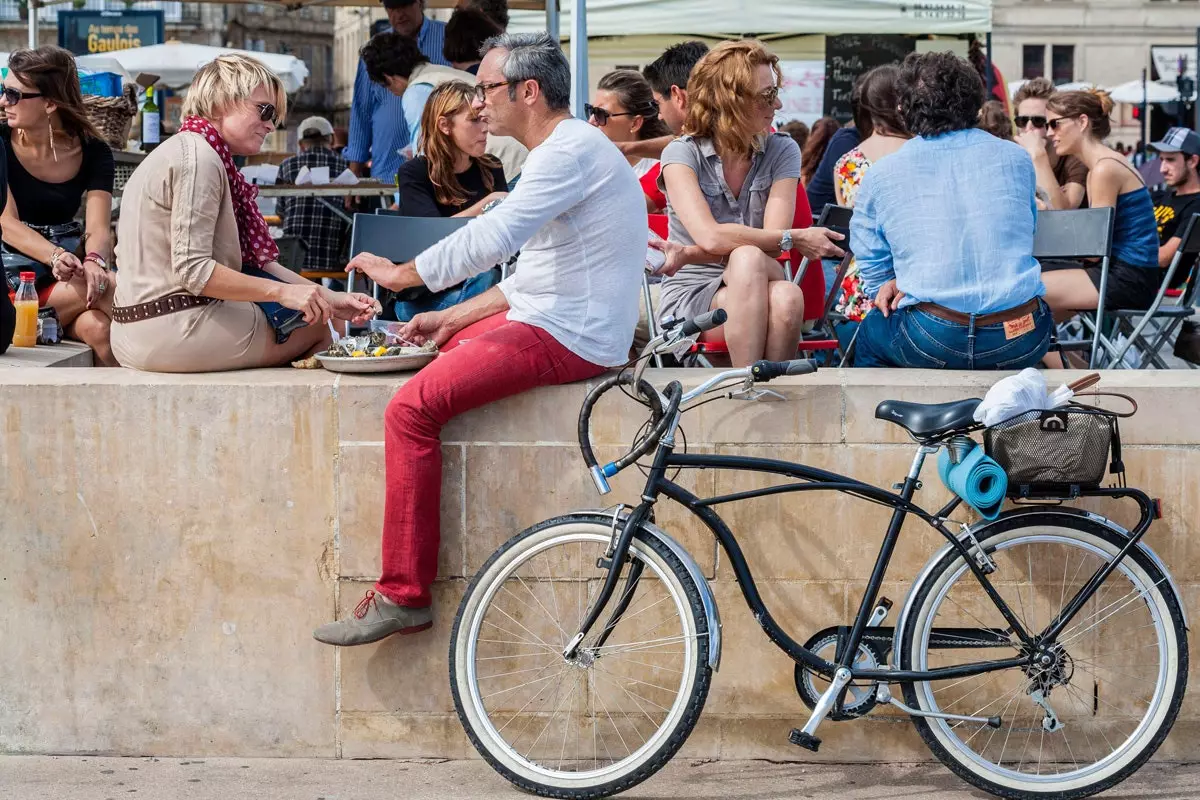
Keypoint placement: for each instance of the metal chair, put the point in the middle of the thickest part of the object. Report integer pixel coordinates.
(1075, 235)
(836, 218)
(1163, 318)
(397, 238)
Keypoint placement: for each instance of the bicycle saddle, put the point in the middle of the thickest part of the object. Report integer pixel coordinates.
(928, 419)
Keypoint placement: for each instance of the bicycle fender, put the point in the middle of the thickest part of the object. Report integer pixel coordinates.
(981, 527)
(707, 600)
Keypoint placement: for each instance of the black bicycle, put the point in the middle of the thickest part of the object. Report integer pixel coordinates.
(1042, 654)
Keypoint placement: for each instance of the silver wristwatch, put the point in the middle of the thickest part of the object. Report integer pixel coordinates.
(785, 241)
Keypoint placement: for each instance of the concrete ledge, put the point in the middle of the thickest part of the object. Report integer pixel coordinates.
(63, 354)
(171, 540)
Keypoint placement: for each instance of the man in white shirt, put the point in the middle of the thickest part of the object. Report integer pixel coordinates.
(566, 314)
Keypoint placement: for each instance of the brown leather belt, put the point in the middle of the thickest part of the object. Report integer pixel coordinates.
(160, 307)
(995, 318)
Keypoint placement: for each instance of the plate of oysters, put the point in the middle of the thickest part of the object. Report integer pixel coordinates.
(378, 351)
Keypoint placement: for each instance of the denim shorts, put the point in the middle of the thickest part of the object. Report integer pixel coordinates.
(438, 301)
(916, 339)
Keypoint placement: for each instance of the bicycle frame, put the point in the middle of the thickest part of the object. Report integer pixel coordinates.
(813, 479)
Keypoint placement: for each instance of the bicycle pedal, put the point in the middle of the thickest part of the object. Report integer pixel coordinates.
(805, 740)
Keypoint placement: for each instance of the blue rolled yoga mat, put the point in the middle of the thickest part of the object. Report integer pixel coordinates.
(977, 479)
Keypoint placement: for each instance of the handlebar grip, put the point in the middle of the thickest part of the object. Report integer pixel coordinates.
(764, 371)
(705, 322)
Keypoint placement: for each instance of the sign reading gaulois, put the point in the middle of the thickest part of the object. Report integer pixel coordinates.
(87, 33)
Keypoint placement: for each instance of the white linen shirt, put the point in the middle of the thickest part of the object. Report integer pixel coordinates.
(579, 220)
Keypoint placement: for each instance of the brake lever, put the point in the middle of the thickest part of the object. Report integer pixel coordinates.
(750, 392)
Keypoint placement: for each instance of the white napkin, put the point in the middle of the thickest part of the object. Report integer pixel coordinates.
(303, 177)
(320, 175)
(346, 178)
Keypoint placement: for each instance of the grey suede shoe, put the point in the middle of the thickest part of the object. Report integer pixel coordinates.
(374, 618)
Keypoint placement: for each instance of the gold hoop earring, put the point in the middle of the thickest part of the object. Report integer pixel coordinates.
(50, 125)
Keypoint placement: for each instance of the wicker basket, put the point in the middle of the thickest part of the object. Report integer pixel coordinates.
(113, 116)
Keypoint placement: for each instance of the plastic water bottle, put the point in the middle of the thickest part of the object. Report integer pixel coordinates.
(26, 303)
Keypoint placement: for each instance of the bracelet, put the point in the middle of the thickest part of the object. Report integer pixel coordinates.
(56, 255)
(97, 259)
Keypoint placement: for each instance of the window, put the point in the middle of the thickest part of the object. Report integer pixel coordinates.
(1062, 63)
(1033, 61)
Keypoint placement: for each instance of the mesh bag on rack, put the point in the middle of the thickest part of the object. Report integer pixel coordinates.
(1057, 449)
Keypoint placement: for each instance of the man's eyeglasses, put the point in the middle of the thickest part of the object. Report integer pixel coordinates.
(769, 96)
(266, 112)
(14, 96)
(1038, 122)
(481, 89)
(603, 115)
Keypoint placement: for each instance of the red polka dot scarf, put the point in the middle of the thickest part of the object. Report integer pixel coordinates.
(258, 248)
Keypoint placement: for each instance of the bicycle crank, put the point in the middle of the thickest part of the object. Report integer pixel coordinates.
(859, 699)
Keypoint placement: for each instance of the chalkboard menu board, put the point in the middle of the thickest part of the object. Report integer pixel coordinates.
(847, 57)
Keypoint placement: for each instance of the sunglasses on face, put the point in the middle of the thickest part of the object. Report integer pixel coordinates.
(603, 115)
(1038, 122)
(14, 96)
(481, 89)
(1053, 124)
(769, 96)
(266, 112)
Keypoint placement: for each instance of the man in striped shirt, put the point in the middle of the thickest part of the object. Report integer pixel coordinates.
(377, 129)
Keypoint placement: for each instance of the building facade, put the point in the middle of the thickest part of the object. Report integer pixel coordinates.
(1106, 42)
(306, 33)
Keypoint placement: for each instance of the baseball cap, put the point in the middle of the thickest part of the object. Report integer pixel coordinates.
(1179, 140)
(322, 126)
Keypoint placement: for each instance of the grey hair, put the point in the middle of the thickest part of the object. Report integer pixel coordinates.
(537, 57)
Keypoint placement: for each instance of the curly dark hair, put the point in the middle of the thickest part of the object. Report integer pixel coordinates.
(390, 55)
(939, 93)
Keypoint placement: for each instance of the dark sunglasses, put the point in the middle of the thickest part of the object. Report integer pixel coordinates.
(14, 96)
(769, 96)
(266, 112)
(1053, 124)
(1038, 122)
(603, 115)
(481, 89)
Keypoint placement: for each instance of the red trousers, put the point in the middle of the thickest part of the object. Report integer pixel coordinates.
(500, 359)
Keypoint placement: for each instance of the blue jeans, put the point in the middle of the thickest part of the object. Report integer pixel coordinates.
(918, 340)
(406, 310)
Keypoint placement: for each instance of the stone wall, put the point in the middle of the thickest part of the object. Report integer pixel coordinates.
(171, 541)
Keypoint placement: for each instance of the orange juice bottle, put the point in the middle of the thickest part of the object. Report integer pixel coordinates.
(26, 302)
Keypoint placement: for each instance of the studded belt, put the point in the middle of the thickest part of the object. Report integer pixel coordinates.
(160, 307)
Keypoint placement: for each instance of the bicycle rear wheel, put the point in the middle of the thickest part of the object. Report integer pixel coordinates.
(616, 712)
(1114, 680)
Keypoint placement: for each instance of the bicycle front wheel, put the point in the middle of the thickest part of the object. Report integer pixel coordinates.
(1100, 699)
(617, 711)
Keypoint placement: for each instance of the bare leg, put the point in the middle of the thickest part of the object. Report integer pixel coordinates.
(1067, 291)
(83, 324)
(303, 343)
(785, 319)
(744, 296)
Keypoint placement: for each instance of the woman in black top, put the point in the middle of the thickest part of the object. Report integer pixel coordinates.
(55, 158)
(452, 178)
(8, 313)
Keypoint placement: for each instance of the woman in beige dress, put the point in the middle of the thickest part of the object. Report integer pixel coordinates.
(190, 229)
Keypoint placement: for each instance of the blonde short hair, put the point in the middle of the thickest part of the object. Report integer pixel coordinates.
(230, 79)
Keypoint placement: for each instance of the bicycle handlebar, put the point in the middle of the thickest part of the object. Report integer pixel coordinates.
(763, 371)
(705, 322)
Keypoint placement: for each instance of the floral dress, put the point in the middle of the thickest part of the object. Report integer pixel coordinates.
(848, 173)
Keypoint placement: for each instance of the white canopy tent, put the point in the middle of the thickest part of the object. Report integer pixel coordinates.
(1132, 92)
(734, 17)
(176, 63)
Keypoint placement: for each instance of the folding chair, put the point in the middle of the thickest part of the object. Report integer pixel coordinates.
(1076, 235)
(836, 218)
(1165, 318)
(397, 238)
